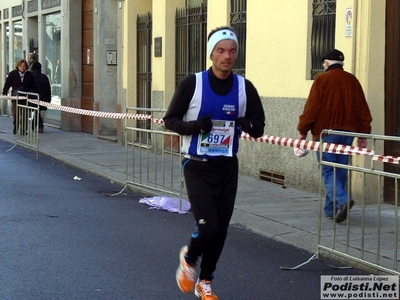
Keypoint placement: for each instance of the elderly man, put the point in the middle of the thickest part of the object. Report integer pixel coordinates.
(31, 59)
(336, 101)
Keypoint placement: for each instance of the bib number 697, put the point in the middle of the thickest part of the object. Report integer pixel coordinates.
(215, 138)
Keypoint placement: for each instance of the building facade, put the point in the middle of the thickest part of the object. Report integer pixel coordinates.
(119, 53)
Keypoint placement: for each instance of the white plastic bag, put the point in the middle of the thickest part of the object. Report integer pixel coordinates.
(167, 203)
(300, 152)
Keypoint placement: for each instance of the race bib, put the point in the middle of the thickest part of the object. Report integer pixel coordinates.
(219, 141)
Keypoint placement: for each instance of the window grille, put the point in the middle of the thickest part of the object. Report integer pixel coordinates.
(238, 19)
(144, 25)
(191, 41)
(323, 33)
(144, 74)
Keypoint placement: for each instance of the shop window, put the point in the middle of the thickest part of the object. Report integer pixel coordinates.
(52, 63)
(50, 58)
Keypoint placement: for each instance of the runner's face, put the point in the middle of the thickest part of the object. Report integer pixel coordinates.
(224, 57)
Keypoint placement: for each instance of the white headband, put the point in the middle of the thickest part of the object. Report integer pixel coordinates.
(224, 34)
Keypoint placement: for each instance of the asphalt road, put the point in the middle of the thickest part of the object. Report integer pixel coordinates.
(70, 239)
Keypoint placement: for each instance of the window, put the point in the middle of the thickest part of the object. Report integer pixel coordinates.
(191, 40)
(50, 58)
(7, 48)
(322, 32)
(51, 63)
(17, 41)
(238, 19)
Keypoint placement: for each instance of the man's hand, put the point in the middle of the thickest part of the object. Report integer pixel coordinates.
(302, 137)
(245, 124)
(362, 143)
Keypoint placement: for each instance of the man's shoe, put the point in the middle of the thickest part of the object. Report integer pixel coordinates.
(328, 216)
(203, 290)
(41, 130)
(342, 212)
(185, 274)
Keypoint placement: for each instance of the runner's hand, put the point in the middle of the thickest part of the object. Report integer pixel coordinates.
(245, 124)
(204, 124)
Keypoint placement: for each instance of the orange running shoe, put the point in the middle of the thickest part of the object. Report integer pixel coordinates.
(185, 274)
(203, 290)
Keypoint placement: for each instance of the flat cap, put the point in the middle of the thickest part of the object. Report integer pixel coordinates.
(333, 54)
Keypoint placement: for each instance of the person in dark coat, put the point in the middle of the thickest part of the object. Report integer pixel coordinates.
(44, 87)
(32, 58)
(19, 79)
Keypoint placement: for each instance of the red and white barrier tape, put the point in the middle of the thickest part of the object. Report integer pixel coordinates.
(92, 113)
(268, 139)
(309, 145)
(327, 147)
(387, 159)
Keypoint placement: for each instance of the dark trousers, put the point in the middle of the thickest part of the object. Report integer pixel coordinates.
(23, 118)
(211, 188)
(37, 117)
(14, 111)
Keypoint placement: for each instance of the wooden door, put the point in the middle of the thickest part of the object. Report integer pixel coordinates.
(392, 91)
(87, 64)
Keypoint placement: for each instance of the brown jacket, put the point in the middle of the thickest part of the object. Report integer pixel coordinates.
(336, 101)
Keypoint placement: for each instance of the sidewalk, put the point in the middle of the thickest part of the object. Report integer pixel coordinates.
(285, 214)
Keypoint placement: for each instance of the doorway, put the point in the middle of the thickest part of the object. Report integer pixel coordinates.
(392, 92)
(87, 64)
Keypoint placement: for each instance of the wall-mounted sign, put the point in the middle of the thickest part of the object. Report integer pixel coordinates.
(109, 41)
(349, 22)
(111, 57)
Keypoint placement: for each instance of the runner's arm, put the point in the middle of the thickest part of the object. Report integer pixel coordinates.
(178, 107)
(254, 111)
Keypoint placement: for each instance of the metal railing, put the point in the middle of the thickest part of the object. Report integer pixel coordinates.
(26, 120)
(369, 237)
(152, 164)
